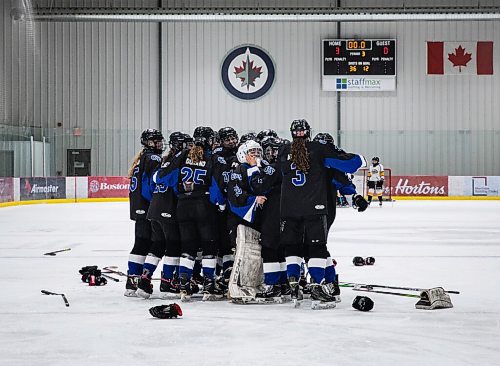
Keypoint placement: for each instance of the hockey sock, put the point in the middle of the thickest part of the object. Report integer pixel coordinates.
(293, 266)
(330, 272)
(186, 264)
(272, 273)
(316, 268)
(135, 264)
(380, 198)
(150, 264)
(369, 198)
(170, 264)
(208, 263)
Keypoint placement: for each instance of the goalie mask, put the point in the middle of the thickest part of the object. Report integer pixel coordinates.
(300, 129)
(153, 140)
(375, 160)
(251, 148)
(270, 147)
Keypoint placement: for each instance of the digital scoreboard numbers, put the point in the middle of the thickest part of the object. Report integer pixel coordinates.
(346, 61)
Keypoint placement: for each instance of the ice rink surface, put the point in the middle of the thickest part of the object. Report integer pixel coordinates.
(454, 244)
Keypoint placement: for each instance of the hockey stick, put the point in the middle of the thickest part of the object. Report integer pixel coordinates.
(57, 251)
(111, 269)
(350, 284)
(386, 292)
(45, 292)
(111, 278)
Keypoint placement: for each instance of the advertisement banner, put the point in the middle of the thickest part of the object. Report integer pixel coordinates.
(108, 187)
(420, 185)
(6, 189)
(484, 186)
(42, 188)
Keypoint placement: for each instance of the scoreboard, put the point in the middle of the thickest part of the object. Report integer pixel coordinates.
(354, 58)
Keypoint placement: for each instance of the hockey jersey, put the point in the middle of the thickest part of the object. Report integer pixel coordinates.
(303, 194)
(141, 184)
(163, 205)
(376, 173)
(191, 179)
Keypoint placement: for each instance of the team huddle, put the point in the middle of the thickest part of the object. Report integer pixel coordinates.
(239, 218)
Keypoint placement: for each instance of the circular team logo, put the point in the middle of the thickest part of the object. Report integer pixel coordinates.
(94, 186)
(247, 72)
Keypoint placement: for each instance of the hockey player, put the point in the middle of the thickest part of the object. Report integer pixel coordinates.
(165, 230)
(375, 180)
(247, 136)
(246, 205)
(304, 205)
(192, 174)
(227, 151)
(141, 189)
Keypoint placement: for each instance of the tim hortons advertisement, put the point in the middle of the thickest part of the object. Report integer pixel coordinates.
(42, 188)
(108, 187)
(420, 185)
(6, 189)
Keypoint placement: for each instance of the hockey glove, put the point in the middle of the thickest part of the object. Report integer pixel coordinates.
(166, 311)
(370, 261)
(358, 261)
(360, 202)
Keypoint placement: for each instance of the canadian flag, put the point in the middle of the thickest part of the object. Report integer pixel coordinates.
(460, 58)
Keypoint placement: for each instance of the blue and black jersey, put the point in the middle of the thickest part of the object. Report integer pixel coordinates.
(141, 184)
(163, 203)
(194, 180)
(305, 195)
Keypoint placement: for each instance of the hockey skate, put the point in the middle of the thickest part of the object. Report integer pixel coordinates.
(295, 292)
(211, 292)
(269, 295)
(334, 289)
(144, 287)
(286, 292)
(131, 286)
(321, 297)
(169, 289)
(185, 288)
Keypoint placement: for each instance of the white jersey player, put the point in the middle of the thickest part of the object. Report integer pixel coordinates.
(375, 180)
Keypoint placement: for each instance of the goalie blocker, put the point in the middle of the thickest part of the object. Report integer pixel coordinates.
(434, 298)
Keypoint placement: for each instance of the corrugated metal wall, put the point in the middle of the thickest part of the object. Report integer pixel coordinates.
(104, 78)
(99, 77)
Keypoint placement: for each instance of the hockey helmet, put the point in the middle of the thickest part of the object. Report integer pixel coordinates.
(265, 133)
(248, 136)
(204, 137)
(362, 303)
(153, 140)
(270, 147)
(300, 129)
(375, 160)
(249, 147)
(324, 137)
(177, 141)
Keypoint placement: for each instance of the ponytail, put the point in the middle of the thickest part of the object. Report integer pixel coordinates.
(134, 163)
(196, 154)
(300, 156)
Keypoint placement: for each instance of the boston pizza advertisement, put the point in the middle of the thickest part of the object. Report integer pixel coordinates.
(108, 187)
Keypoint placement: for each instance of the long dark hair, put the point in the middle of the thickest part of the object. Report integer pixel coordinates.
(196, 154)
(300, 155)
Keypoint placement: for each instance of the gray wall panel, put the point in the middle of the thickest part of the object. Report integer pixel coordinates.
(194, 94)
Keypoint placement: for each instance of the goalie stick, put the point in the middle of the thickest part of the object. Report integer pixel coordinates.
(45, 292)
(57, 251)
(361, 285)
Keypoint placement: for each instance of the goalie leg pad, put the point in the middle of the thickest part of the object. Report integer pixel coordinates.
(434, 298)
(246, 276)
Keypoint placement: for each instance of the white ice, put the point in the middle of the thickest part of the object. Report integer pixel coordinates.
(454, 244)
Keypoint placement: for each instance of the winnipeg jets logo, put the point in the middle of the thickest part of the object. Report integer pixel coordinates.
(247, 72)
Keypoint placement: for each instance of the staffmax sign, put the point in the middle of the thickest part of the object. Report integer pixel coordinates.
(350, 83)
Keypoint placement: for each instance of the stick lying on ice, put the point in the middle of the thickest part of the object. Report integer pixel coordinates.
(45, 292)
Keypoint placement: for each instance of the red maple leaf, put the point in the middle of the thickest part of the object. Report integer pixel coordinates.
(459, 58)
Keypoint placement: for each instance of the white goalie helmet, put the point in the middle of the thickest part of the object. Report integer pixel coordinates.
(249, 147)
